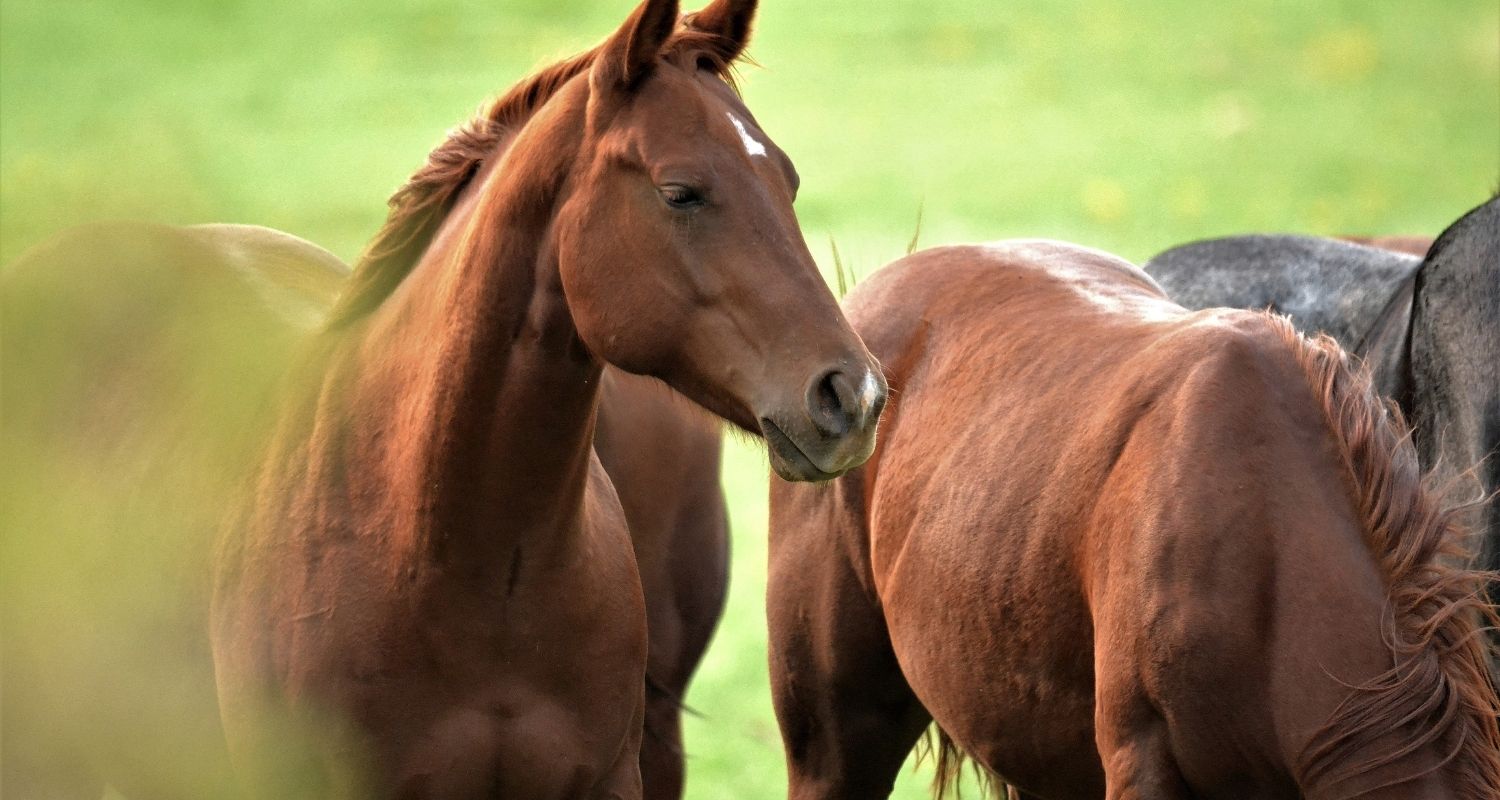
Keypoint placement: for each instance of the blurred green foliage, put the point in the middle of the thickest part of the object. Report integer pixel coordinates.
(1125, 126)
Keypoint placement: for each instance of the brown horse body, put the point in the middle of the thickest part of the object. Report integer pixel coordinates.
(1117, 550)
(433, 557)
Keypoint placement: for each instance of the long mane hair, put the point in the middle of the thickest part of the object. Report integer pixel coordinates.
(419, 207)
(1438, 694)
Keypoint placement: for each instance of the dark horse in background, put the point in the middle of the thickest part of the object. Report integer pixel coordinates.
(1116, 549)
(1429, 328)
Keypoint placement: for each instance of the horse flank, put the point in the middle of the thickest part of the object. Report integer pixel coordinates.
(1439, 689)
(419, 207)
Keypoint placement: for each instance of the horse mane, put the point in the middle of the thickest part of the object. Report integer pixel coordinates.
(419, 207)
(1438, 693)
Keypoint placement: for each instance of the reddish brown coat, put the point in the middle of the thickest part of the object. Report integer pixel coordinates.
(1117, 549)
(433, 558)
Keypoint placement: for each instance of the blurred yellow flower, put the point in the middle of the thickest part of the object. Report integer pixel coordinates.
(1105, 200)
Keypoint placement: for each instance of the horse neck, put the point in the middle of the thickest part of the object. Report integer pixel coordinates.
(471, 391)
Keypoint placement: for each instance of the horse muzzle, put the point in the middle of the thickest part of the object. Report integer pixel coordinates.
(833, 431)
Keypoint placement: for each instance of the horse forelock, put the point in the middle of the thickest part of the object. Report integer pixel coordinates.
(1438, 694)
(418, 208)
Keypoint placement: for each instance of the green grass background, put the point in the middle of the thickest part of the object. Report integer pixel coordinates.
(1128, 126)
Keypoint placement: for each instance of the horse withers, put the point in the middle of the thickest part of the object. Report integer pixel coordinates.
(432, 564)
(1116, 549)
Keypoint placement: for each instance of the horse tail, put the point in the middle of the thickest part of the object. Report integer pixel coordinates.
(948, 761)
(1439, 693)
(655, 688)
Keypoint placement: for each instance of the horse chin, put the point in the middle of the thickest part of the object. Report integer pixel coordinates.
(788, 460)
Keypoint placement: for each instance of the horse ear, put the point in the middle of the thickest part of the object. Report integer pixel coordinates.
(729, 21)
(630, 54)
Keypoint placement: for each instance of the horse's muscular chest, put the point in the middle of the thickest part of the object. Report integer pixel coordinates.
(448, 687)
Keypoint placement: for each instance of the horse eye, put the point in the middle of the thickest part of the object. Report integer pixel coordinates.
(681, 197)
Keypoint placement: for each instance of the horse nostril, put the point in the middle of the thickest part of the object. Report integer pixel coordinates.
(832, 404)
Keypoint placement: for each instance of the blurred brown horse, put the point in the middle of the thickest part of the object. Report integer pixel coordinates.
(1116, 549)
(433, 558)
(224, 306)
(139, 362)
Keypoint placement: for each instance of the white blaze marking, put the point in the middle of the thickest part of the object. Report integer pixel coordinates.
(867, 391)
(752, 146)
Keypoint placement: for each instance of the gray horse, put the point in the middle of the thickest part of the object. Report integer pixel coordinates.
(1429, 328)
(1359, 295)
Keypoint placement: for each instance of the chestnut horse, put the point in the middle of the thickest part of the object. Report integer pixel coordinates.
(434, 571)
(1116, 549)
